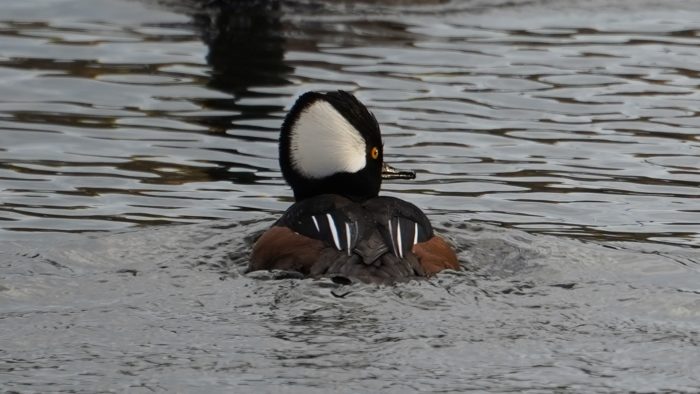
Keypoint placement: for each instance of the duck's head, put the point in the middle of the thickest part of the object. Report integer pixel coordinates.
(331, 144)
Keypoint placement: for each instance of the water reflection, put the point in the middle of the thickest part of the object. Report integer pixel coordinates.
(246, 48)
(168, 111)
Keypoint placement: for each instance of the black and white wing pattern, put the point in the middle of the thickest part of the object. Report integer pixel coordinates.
(400, 223)
(380, 240)
(370, 229)
(332, 219)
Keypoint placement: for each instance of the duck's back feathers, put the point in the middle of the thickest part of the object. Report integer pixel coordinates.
(381, 240)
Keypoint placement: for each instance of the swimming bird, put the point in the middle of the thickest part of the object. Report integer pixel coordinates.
(331, 154)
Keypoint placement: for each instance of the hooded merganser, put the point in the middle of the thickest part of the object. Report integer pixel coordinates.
(331, 154)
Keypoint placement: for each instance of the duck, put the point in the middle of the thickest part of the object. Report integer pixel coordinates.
(332, 156)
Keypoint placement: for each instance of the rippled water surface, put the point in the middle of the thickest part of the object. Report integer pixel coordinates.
(557, 145)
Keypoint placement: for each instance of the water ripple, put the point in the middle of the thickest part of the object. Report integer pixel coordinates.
(556, 145)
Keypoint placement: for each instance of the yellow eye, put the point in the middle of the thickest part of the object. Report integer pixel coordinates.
(374, 153)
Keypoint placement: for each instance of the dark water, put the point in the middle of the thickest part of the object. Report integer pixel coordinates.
(557, 145)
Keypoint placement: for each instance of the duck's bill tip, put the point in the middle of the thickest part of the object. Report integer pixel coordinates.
(389, 172)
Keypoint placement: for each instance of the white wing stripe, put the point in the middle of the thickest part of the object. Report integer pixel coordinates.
(334, 231)
(347, 236)
(398, 237)
(391, 235)
(415, 233)
(316, 223)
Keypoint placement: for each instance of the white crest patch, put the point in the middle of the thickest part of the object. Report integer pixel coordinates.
(323, 142)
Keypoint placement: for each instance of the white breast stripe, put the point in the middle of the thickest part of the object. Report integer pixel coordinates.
(347, 236)
(415, 233)
(316, 223)
(398, 237)
(334, 231)
(391, 235)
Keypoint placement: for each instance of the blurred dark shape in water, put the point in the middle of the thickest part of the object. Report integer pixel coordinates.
(246, 49)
